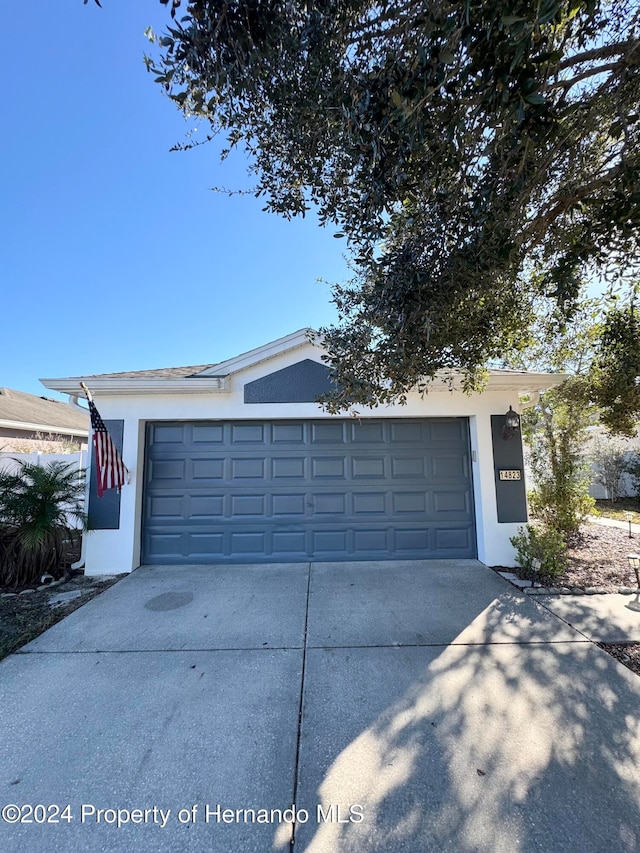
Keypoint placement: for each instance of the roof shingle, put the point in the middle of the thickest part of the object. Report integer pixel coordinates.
(18, 406)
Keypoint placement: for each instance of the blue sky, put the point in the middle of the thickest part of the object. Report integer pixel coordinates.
(115, 254)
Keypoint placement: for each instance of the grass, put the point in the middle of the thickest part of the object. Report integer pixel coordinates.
(618, 509)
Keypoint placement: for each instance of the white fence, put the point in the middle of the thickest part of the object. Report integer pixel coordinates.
(10, 461)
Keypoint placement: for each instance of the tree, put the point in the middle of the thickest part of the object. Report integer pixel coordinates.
(610, 458)
(616, 369)
(555, 424)
(459, 146)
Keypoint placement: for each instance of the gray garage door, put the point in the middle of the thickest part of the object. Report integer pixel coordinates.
(248, 491)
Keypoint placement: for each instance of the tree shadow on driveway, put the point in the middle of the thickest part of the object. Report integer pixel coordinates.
(496, 745)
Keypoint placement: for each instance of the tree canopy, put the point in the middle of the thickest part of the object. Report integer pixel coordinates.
(477, 155)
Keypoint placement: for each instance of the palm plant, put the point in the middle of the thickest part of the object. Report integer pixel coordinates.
(41, 508)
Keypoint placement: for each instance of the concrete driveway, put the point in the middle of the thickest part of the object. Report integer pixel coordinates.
(410, 706)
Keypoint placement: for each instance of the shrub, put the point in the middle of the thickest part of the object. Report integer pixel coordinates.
(555, 430)
(41, 508)
(560, 505)
(544, 544)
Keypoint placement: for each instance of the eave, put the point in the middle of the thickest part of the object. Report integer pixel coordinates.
(43, 428)
(138, 387)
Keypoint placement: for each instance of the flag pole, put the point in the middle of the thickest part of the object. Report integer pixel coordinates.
(108, 459)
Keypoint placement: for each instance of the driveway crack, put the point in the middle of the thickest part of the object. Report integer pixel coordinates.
(296, 768)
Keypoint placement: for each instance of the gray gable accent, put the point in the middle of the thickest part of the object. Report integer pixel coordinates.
(104, 512)
(302, 382)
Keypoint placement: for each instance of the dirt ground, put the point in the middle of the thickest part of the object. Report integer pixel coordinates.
(598, 557)
(23, 617)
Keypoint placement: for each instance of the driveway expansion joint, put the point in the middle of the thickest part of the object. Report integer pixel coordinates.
(296, 767)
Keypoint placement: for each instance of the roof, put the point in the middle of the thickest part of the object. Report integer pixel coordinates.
(208, 378)
(158, 373)
(21, 410)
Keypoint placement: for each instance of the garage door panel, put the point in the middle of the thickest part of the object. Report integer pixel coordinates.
(409, 502)
(237, 491)
(207, 469)
(329, 503)
(412, 467)
(243, 469)
(168, 469)
(248, 505)
(207, 434)
(367, 432)
(165, 545)
(168, 434)
(288, 467)
(167, 508)
(414, 540)
(452, 539)
(288, 433)
(328, 467)
(288, 505)
(208, 545)
(367, 467)
(403, 432)
(371, 541)
(369, 503)
(328, 432)
(206, 507)
(324, 542)
(445, 466)
(451, 501)
(289, 542)
(247, 434)
(447, 430)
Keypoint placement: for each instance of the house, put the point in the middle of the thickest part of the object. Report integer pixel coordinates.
(236, 462)
(30, 423)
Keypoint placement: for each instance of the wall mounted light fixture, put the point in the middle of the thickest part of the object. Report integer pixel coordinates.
(511, 424)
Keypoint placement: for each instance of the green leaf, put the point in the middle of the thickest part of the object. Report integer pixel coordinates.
(535, 98)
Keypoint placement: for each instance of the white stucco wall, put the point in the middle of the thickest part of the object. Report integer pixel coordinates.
(109, 551)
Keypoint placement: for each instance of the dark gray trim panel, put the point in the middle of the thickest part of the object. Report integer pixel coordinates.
(303, 382)
(511, 495)
(104, 512)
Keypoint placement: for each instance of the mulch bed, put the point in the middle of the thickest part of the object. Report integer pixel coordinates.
(24, 617)
(627, 653)
(597, 557)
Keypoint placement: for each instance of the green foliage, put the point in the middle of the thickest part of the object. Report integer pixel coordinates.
(541, 552)
(616, 370)
(40, 508)
(633, 469)
(554, 430)
(610, 459)
(459, 146)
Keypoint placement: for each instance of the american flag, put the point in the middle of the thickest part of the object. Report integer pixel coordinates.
(110, 469)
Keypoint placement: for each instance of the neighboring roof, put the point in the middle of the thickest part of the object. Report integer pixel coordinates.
(19, 410)
(205, 378)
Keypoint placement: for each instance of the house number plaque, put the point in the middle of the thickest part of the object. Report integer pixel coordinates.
(510, 474)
